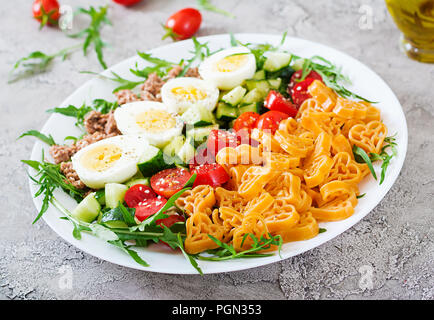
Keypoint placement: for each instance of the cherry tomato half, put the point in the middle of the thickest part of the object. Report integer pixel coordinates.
(270, 120)
(148, 207)
(170, 220)
(183, 24)
(300, 93)
(127, 2)
(211, 174)
(46, 11)
(169, 181)
(246, 120)
(137, 193)
(202, 156)
(276, 102)
(297, 75)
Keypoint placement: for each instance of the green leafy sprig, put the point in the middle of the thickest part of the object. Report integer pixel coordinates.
(227, 251)
(201, 51)
(92, 32)
(44, 138)
(207, 5)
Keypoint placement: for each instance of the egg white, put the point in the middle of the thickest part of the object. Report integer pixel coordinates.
(181, 102)
(126, 120)
(209, 68)
(131, 149)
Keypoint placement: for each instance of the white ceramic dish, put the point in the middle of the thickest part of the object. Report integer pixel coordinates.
(161, 259)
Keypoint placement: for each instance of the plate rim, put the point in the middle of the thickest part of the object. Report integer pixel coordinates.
(327, 236)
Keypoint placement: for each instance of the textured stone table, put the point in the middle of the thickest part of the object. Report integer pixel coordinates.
(395, 240)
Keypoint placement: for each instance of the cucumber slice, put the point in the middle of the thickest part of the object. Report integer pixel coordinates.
(276, 60)
(262, 85)
(114, 193)
(200, 135)
(234, 96)
(152, 163)
(253, 107)
(252, 96)
(275, 83)
(259, 75)
(298, 64)
(226, 112)
(88, 209)
(198, 116)
(186, 153)
(133, 182)
(171, 150)
(116, 224)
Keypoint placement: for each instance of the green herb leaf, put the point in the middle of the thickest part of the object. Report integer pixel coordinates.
(360, 196)
(47, 139)
(361, 156)
(206, 5)
(321, 230)
(201, 51)
(72, 111)
(132, 253)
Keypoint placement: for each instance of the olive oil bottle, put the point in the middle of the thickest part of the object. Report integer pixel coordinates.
(415, 18)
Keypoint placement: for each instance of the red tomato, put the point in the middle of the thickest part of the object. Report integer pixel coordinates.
(299, 92)
(170, 221)
(219, 139)
(168, 182)
(127, 2)
(148, 207)
(137, 194)
(276, 102)
(243, 136)
(46, 11)
(211, 174)
(202, 156)
(270, 120)
(297, 75)
(183, 24)
(246, 120)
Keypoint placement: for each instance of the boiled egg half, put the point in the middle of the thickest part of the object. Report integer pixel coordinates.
(181, 93)
(111, 160)
(228, 68)
(155, 121)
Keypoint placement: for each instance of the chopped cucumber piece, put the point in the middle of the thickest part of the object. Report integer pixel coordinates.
(298, 64)
(133, 182)
(252, 96)
(88, 209)
(262, 85)
(226, 112)
(171, 150)
(200, 135)
(275, 83)
(276, 60)
(114, 193)
(198, 116)
(234, 96)
(116, 224)
(186, 153)
(152, 163)
(259, 75)
(253, 107)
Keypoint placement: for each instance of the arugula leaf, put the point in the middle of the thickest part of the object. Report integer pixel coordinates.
(92, 32)
(125, 83)
(160, 66)
(322, 230)
(120, 213)
(361, 156)
(206, 5)
(36, 62)
(360, 196)
(72, 111)
(49, 179)
(47, 139)
(133, 254)
(201, 51)
(227, 252)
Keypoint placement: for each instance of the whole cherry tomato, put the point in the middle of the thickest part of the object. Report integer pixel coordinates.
(127, 2)
(183, 24)
(46, 12)
(246, 120)
(270, 120)
(276, 102)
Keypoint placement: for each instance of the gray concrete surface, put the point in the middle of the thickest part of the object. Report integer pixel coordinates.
(395, 241)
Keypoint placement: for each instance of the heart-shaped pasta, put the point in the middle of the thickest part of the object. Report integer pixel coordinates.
(369, 137)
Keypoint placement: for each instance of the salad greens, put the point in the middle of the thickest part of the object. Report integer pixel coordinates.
(207, 5)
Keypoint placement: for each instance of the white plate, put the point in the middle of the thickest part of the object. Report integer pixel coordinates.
(365, 82)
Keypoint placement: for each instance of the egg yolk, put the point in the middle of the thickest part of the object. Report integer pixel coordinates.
(155, 120)
(189, 93)
(101, 157)
(232, 63)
